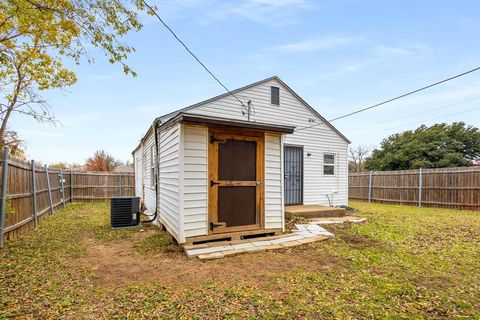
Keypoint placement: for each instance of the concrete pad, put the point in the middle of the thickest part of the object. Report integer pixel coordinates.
(261, 243)
(313, 227)
(301, 227)
(197, 252)
(242, 246)
(291, 238)
(314, 239)
(295, 237)
(255, 249)
(336, 220)
(275, 247)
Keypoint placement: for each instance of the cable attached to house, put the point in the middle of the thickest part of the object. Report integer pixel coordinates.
(153, 216)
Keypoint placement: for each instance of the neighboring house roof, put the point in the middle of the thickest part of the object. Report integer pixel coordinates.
(172, 114)
(124, 169)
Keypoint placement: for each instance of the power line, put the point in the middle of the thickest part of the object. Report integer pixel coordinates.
(418, 113)
(396, 98)
(407, 94)
(435, 118)
(192, 54)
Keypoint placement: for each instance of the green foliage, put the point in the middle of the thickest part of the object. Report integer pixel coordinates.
(438, 146)
(59, 166)
(9, 209)
(37, 36)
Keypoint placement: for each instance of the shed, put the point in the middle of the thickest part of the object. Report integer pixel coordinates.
(216, 169)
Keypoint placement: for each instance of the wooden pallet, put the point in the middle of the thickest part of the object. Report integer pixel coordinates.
(232, 236)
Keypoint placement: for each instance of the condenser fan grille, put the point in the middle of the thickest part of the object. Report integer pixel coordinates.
(124, 212)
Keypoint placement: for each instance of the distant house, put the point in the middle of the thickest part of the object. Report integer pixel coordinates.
(216, 168)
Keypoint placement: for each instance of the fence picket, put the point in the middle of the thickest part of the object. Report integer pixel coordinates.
(34, 195)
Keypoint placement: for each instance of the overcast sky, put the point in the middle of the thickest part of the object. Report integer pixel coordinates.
(339, 55)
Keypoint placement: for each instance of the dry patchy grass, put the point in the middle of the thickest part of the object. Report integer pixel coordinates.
(404, 263)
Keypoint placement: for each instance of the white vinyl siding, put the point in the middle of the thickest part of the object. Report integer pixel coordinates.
(273, 182)
(169, 180)
(195, 182)
(315, 140)
(137, 156)
(148, 179)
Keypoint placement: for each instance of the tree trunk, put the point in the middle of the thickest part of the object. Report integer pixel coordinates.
(11, 106)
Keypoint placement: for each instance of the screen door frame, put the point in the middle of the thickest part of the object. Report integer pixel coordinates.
(217, 136)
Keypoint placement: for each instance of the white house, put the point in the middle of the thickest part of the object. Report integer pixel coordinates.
(219, 168)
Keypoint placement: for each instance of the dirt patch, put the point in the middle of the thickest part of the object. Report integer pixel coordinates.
(118, 262)
(360, 241)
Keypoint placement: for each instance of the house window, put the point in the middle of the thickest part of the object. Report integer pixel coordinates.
(329, 164)
(152, 167)
(275, 95)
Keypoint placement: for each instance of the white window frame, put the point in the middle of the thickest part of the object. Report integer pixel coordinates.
(334, 164)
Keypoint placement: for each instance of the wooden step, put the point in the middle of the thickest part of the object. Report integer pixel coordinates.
(304, 233)
(314, 211)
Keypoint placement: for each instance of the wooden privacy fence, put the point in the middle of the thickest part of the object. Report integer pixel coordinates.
(29, 191)
(446, 188)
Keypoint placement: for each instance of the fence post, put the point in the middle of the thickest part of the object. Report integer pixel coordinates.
(49, 190)
(370, 186)
(63, 188)
(420, 186)
(71, 185)
(4, 194)
(34, 195)
(120, 175)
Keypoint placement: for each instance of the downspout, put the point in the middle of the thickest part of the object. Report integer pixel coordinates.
(143, 170)
(153, 217)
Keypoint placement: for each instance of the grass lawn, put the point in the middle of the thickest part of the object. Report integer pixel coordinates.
(404, 263)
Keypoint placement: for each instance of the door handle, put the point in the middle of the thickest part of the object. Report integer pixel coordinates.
(212, 183)
(214, 225)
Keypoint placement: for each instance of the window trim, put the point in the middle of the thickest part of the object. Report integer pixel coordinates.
(271, 95)
(334, 164)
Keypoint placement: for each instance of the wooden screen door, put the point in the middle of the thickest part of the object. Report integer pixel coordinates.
(236, 182)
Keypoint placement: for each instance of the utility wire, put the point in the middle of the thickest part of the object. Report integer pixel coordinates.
(435, 118)
(396, 98)
(191, 53)
(417, 113)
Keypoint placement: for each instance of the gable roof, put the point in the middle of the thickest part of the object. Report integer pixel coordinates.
(193, 106)
(172, 114)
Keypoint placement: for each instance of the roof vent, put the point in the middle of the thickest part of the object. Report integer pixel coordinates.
(124, 212)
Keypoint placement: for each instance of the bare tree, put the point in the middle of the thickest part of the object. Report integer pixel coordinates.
(357, 157)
